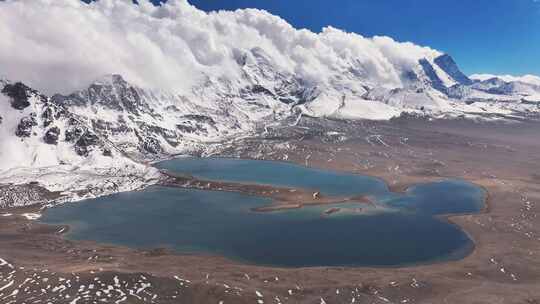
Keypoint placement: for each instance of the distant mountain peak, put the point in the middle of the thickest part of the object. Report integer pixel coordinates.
(450, 67)
(111, 79)
(528, 79)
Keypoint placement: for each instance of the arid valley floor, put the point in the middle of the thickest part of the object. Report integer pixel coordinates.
(38, 265)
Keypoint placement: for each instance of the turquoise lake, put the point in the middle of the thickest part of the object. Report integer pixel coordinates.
(400, 229)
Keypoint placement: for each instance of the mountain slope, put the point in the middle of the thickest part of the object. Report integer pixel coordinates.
(45, 143)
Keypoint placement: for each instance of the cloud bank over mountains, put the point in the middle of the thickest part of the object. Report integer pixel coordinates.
(63, 45)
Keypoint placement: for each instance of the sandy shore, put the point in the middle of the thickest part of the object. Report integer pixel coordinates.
(504, 267)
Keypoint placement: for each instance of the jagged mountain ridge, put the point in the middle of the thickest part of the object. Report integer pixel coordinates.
(149, 124)
(529, 90)
(112, 128)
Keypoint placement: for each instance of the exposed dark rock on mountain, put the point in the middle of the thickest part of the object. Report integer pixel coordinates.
(432, 77)
(24, 128)
(51, 136)
(86, 143)
(18, 94)
(73, 133)
(448, 65)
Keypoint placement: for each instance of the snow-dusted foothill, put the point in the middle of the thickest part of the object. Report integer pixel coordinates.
(47, 148)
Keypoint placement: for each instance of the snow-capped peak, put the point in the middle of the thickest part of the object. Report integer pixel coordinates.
(110, 79)
(450, 67)
(529, 79)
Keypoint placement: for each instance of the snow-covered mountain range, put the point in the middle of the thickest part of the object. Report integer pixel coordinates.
(43, 142)
(215, 86)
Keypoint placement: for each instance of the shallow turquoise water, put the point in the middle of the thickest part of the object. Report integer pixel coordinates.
(277, 174)
(401, 229)
(449, 196)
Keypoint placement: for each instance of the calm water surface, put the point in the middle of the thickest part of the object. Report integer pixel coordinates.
(400, 229)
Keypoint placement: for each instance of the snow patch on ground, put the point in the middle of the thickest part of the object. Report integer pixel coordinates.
(31, 216)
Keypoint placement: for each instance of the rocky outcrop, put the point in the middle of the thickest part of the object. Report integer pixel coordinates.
(86, 143)
(18, 94)
(51, 136)
(24, 128)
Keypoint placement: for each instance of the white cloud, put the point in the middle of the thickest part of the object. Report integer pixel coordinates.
(62, 45)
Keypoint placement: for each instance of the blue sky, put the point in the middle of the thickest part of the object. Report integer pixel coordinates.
(484, 36)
